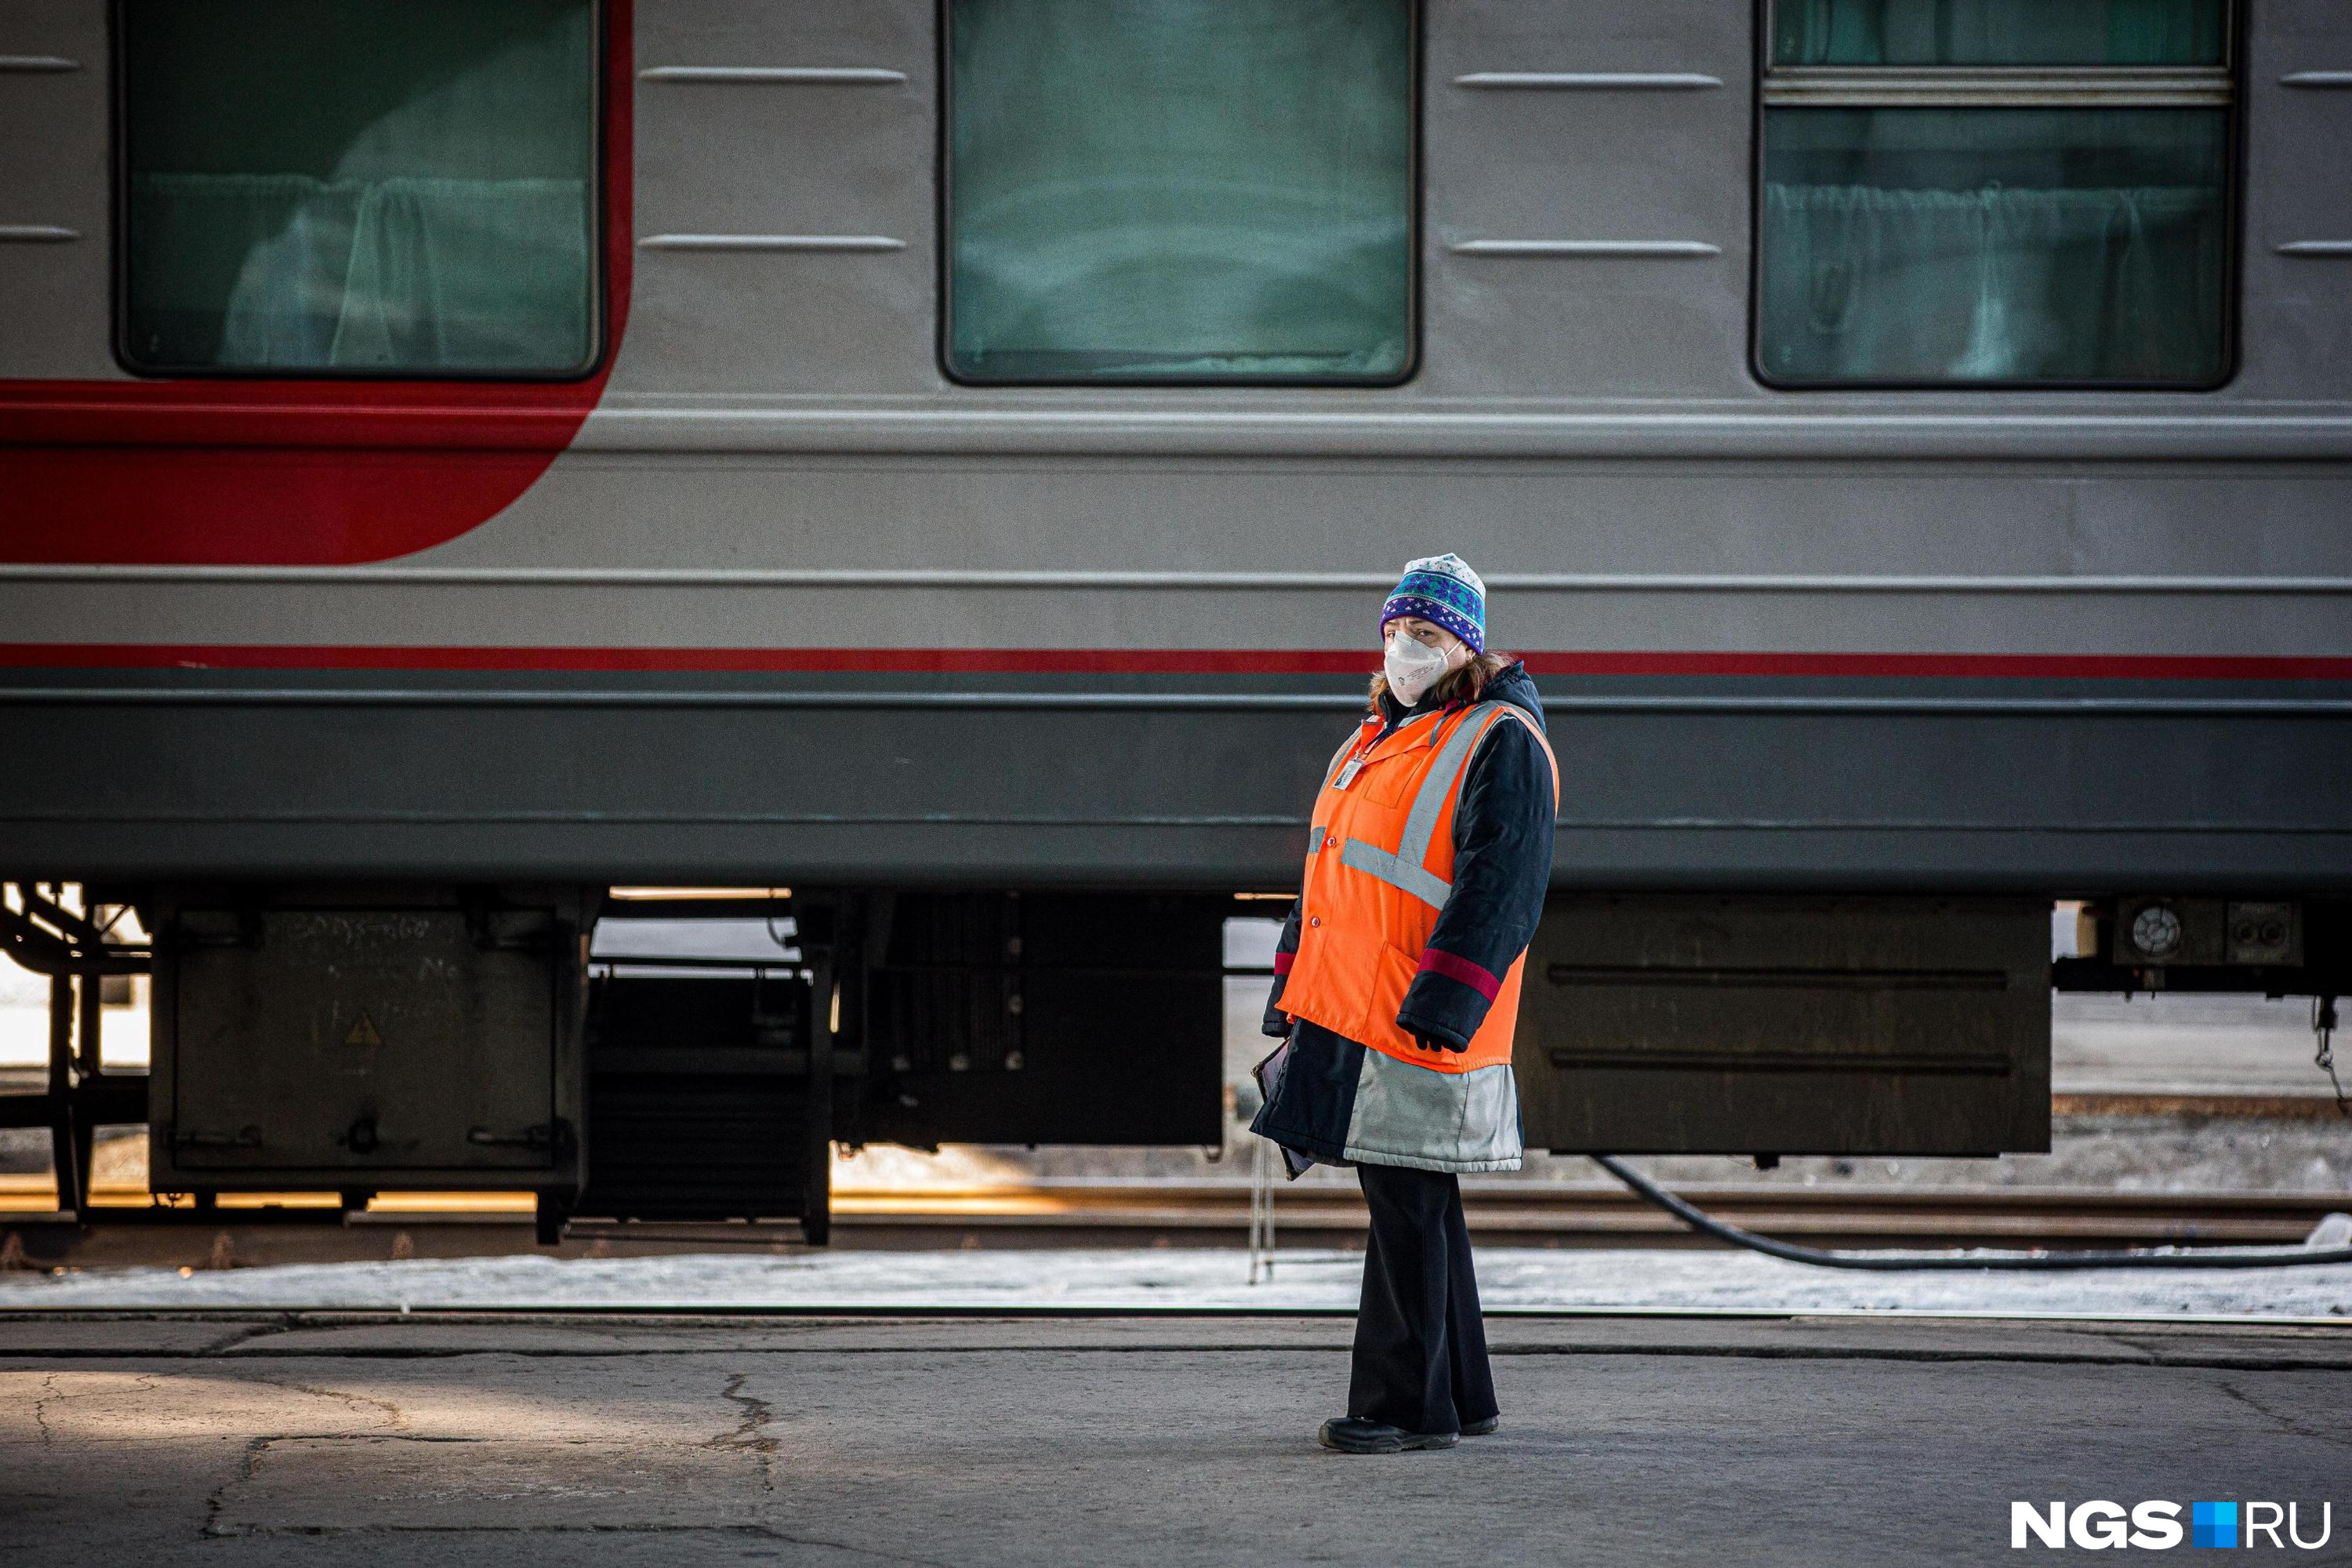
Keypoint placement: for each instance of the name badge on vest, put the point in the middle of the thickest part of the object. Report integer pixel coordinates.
(1355, 764)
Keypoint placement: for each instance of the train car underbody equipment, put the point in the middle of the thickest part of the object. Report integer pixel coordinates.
(698, 1055)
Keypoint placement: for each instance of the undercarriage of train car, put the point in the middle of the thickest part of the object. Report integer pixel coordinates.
(697, 1054)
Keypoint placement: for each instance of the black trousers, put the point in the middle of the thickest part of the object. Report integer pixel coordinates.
(1421, 1349)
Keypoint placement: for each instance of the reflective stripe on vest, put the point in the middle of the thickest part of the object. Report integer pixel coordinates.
(1404, 867)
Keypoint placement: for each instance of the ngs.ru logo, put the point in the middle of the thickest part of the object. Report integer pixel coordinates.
(2155, 1526)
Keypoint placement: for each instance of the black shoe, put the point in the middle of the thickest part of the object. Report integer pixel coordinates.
(1481, 1428)
(1354, 1435)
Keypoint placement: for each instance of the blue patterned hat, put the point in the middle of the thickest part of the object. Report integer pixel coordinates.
(1441, 588)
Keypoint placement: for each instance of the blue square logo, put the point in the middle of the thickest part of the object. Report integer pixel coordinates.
(2212, 1524)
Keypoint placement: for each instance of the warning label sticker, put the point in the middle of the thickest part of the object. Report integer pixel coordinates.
(363, 1032)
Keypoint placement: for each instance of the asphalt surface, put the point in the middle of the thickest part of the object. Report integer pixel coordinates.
(276, 1438)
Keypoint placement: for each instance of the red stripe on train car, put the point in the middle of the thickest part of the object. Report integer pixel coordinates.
(1151, 661)
(1951, 665)
(308, 473)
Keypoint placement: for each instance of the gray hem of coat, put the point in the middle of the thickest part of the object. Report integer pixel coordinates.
(1418, 1162)
(1408, 1114)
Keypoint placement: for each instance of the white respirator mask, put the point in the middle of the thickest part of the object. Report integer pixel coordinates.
(1413, 667)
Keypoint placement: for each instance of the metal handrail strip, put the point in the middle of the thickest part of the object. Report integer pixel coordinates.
(992, 578)
(1996, 87)
(788, 75)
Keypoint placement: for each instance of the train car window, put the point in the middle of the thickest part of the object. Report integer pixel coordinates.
(1996, 192)
(370, 188)
(1182, 191)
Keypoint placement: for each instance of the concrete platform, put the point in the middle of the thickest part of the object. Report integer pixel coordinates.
(266, 1438)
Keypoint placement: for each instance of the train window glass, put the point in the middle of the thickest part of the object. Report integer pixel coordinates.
(380, 187)
(2006, 246)
(2061, 226)
(1999, 33)
(1179, 190)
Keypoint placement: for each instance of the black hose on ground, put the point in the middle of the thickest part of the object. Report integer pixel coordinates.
(2137, 1257)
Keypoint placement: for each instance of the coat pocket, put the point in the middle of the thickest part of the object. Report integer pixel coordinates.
(1385, 782)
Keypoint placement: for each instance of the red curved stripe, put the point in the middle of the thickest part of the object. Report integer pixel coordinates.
(312, 473)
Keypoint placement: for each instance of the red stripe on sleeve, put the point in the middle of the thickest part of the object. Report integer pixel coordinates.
(1282, 961)
(1432, 961)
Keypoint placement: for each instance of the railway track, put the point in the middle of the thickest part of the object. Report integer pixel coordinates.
(1322, 1212)
(290, 1228)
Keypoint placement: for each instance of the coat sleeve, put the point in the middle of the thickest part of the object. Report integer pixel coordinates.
(1276, 1022)
(1502, 865)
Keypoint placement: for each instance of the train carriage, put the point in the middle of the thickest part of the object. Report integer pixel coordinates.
(457, 460)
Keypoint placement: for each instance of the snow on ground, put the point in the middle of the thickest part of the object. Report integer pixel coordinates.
(1511, 1279)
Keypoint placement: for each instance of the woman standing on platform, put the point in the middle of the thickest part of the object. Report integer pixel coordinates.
(1397, 987)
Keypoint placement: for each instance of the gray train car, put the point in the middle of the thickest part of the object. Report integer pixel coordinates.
(937, 462)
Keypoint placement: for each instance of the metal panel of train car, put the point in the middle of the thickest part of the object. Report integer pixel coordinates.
(698, 1098)
(364, 1045)
(1788, 1026)
(1010, 1019)
(1963, 638)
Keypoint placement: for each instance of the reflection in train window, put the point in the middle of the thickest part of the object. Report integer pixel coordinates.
(1187, 190)
(1998, 32)
(381, 187)
(1951, 217)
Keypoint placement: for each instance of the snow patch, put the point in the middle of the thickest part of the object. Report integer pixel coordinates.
(1510, 1279)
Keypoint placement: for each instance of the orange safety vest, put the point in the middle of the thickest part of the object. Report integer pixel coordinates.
(1379, 866)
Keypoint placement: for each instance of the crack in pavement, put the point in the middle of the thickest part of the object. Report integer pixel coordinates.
(41, 1409)
(745, 1438)
(239, 1336)
(246, 1465)
(751, 1434)
(752, 1531)
(2289, 1422)
(399, 1416)
(250, 1466)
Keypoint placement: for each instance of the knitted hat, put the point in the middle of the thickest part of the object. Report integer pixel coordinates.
(1441, 588)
